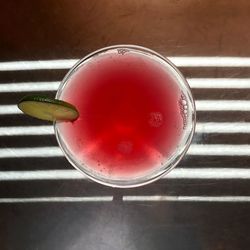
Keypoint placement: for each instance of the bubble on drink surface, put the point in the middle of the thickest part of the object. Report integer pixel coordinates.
(125, 147)
(122, 51)
(155, 119)
(183, 109)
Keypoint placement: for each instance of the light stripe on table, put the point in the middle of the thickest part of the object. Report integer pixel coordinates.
(28, 86)
(195, 149)
(161, 198)
(222, 127)
(201, 61)
(213, 61)
(57, 199)
(201, 105)
(222, 105)
(155, 198)
(36, 152)
(177, 173)
(26, 131)
(201, 127)
(37, 65)
(219, 149)
(222, 83)
(214, 83)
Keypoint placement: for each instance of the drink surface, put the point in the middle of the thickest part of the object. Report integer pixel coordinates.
(132, 114)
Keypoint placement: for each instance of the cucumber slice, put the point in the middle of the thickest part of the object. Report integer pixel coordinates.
(46, 108)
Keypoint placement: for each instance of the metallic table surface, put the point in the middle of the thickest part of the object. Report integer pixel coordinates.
(203, 204)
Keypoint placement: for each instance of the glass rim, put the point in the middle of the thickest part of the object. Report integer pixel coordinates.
(158, 173)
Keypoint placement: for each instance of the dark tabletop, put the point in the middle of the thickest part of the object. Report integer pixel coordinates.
(203, 204)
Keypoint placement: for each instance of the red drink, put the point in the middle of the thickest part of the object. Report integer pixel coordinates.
(132, 114)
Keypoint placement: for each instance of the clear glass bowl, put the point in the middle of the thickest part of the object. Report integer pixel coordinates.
(182, 146)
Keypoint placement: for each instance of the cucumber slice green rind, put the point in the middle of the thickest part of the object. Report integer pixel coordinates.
(45, 108)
